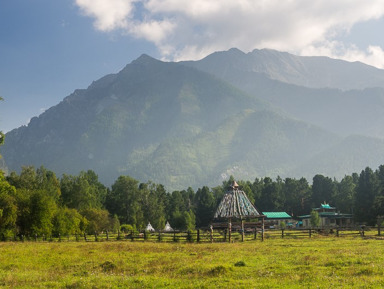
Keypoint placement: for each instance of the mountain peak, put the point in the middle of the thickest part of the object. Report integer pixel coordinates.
(145, 59)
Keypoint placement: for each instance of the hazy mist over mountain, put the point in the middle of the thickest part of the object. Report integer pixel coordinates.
(264, 113)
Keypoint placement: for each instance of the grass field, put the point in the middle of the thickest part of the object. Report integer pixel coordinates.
(320, 262)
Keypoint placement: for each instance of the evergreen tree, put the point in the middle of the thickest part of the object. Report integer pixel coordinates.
(344, 199)
(366, 193)
(296, 195)
(272, 196)
(205, 206)
(323, 188)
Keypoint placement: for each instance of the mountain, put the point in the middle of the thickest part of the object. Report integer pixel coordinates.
(306, 71)
(342, 97)
(180, 125)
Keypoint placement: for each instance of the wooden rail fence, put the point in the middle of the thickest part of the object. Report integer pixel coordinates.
(216, 235)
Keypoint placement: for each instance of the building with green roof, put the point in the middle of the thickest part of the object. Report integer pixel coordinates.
(329, 218)
(275, 219)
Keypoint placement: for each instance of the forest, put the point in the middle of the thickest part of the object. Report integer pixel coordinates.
(38, 203)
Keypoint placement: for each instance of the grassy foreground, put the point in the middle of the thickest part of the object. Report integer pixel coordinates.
(321, 262)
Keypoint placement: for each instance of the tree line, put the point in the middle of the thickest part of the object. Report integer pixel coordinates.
(37, 202)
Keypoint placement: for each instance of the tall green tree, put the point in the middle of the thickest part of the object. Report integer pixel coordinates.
(257, 189)
(205, 204)
(8, 208)
(83, 191)
(47, 181)
(296, 192)
(323, 189)
(67, 222)
(366, 193)
(98, 220)
(41, 211)
(272, 196)
(124, 201)
(154, 201)
(344, 199)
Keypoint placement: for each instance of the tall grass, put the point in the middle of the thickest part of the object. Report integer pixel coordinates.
(321, 262)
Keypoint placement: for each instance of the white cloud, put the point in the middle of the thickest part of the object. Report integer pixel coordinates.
(191, 29)
(108, 14)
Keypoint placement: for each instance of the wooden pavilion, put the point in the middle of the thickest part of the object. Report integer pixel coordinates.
(236, 205)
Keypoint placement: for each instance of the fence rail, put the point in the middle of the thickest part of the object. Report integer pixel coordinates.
(216, 235)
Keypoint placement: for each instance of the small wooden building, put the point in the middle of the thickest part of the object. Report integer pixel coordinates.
(275, 219)
(236, 205)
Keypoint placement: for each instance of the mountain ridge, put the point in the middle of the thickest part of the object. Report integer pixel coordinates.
(175, 123)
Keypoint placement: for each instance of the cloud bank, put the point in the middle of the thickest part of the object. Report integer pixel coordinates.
(191, 29)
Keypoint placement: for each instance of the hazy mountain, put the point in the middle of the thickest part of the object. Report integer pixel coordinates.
(345, 156)
(265, 73)
(307, 71)
(180, 126)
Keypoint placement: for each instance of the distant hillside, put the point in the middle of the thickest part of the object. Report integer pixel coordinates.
(346, 156)
(275, 77)
(306, 71)
(180, 126)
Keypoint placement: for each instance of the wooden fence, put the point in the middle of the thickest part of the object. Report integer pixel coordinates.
(216, 235)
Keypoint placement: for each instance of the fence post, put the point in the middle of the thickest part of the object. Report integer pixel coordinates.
(282, 233)
(174, 236)
(379, 221)
(262, 230)
(230, 231)
(159, 237)
(255, 234)
(337, 232)
(211, 231)
(310, 233)
(198, 236)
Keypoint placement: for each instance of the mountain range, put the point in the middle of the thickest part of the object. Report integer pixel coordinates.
(194, 123)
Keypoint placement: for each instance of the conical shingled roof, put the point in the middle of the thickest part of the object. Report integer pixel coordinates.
(235, 204)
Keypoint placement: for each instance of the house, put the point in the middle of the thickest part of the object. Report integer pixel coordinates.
(329, 218)
(275, 219)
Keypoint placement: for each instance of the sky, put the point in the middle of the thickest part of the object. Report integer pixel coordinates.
(50, 48)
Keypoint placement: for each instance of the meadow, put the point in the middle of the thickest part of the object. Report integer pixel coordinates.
(318, 262)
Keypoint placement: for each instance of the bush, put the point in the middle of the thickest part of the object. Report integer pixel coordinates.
(125, 228)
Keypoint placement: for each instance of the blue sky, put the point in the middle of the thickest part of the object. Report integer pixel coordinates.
(50, 48)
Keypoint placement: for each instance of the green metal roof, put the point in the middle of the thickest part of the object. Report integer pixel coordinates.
(326, 206)
(277, 215)
(330, 215)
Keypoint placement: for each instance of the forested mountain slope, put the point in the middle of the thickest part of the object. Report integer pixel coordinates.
(180, 126)
(342, 97)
